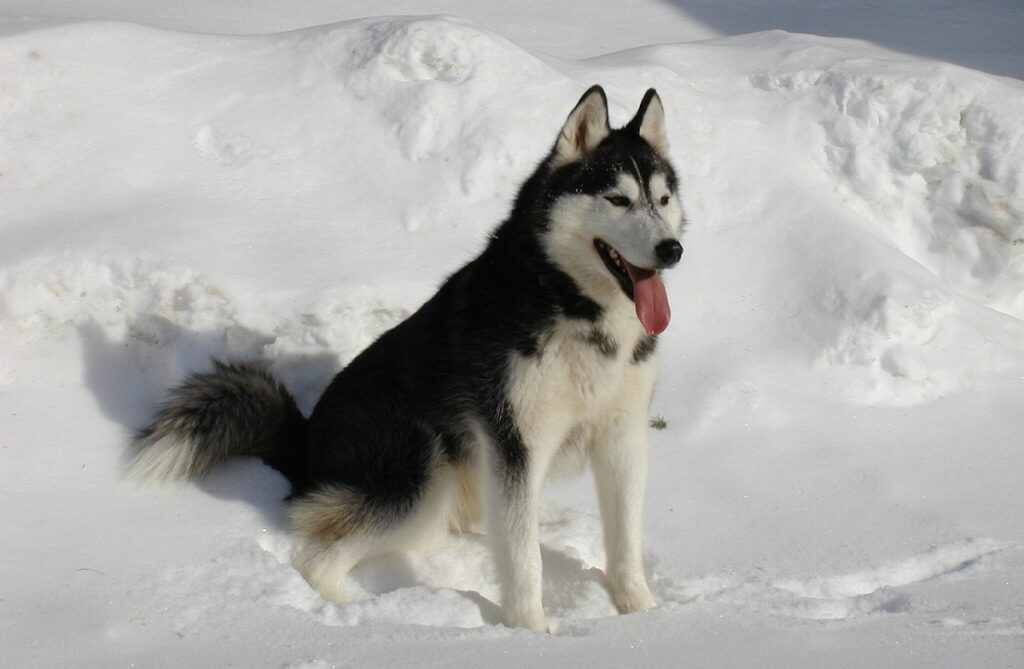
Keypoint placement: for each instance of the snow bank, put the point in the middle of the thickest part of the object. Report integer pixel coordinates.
(932, 159)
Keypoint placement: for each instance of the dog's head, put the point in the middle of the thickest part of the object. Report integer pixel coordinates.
(615, 217)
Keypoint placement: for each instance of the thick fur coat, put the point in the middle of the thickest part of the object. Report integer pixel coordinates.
(537, 355)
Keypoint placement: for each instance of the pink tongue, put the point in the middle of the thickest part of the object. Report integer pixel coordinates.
(650, 299)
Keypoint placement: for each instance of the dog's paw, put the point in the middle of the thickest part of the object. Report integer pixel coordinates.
(631, 595)
(532, 619)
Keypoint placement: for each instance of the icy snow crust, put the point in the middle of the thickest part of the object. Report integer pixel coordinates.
(840, 476)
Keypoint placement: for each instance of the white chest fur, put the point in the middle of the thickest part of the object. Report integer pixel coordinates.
(584, 377)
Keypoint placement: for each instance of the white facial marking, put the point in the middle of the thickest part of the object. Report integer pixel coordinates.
(628, 187)
(659, 187)
(636, 169)
(672, 211)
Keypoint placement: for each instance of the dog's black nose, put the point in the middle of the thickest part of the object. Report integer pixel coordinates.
(669, 252)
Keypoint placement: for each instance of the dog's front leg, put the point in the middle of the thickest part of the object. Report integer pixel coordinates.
(514, 476)
(619, 460)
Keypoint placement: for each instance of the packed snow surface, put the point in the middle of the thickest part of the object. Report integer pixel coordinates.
(840, 474)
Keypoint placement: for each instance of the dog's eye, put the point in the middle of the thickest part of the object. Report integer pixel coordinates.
(617, 200)
(664, 200)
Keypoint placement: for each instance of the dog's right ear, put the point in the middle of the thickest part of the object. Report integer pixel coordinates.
(585, 128)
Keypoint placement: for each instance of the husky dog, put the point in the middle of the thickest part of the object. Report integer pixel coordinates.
(538, 353)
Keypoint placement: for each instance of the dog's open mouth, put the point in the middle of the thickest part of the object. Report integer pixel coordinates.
(641, 285)
(616, 265)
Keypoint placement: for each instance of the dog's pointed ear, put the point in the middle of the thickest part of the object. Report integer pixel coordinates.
(649, 123)
(585, 128)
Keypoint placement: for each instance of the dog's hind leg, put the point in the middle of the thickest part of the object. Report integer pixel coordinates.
(326, 568)
(337, 529)
(341, 527)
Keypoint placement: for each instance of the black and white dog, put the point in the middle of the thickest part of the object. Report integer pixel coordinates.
(536, 355)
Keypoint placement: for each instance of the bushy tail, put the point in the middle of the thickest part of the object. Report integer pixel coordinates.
(237, 409)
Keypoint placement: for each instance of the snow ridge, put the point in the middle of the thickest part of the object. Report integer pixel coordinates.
(850, 596)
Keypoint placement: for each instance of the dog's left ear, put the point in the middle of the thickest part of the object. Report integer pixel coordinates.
(649, 123)
(585, 128)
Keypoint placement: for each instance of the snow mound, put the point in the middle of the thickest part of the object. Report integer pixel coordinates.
(126, 297)
(169, 319)
(442, 88)
(896, 338)
(932, 159)
(884, 330)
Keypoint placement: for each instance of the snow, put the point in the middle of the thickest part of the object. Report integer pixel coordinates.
(840, 475)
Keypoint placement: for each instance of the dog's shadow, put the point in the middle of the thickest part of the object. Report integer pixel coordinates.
(130, 378)
(399, 571)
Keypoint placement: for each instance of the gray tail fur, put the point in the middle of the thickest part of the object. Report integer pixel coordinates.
(237, 409)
